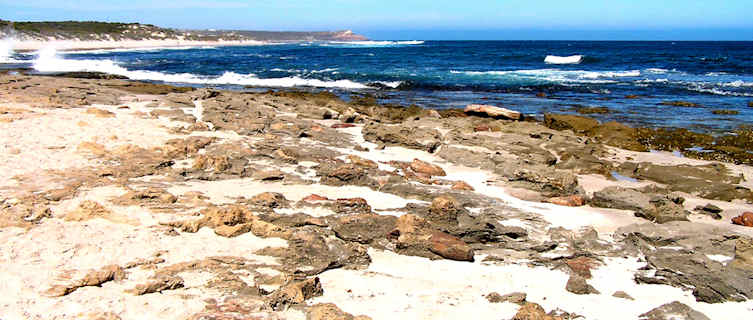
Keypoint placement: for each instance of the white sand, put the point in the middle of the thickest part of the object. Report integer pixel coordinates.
(403, 287)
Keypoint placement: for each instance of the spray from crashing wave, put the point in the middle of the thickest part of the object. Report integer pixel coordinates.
(6, 51)
(49, 60)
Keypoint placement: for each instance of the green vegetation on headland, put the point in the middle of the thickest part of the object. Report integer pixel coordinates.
(94, 30)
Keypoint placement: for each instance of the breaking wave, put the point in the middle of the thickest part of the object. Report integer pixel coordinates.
(577, 59)
(6, 51)
(49, 61)
(362, 44)
(555, 75)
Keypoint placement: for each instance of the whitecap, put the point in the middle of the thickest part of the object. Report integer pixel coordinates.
(556, 75)
(6, 51)
(49, 61)
(576, 59)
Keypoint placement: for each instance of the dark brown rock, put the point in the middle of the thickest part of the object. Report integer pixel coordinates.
(533, 311)
(270, 200)
(450, 247)
(364, 228)
(158, 285)
(426, 168)
(578, 285)
(293, 293)
(745, 219)
(673, 311)
(462, 185)
(568, 201)
(569, 122)
(329, 311)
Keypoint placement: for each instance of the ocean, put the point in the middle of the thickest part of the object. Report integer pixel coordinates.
(633, 80)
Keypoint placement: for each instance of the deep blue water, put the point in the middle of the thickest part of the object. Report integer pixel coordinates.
(443, 74)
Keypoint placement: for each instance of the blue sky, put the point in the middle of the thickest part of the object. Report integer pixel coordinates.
(424, 19)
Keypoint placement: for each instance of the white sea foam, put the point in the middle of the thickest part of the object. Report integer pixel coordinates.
(556, 75)
(656, 70)
(576, 59)
(737, 84)
(6, 51)
(380, 43)
(49, 61)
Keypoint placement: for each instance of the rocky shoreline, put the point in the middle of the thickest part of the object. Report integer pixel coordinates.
(123, 199)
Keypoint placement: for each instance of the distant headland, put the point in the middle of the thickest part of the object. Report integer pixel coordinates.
(70, 35)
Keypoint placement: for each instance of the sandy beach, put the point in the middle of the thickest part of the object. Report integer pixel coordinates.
(130, 200)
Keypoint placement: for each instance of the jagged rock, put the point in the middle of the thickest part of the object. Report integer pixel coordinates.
(315, 198)
(294, 293)
(158, 285)
(426, 168)
(269, 175)
(94, 278)
(445, 209)
(743, 254)
(515, 297)
(329, 311)
(745, 219)
(578, 285)
(22, 215)
(677, 254)
(286, 155)
(551, 182)
(356, 160)
(673, 311)
(660, 209)
(269, 200)
(151, 196)
(710, 210)
(352, 205)
(180, 148)
(344, 174)
(403, 135)
(568, 201)
(533, 311)
(622, 295)
(492, 111)
(310, 252)
(462, 185)
(415, 236)
(621, 198)
(364, 228)
(577, 124)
